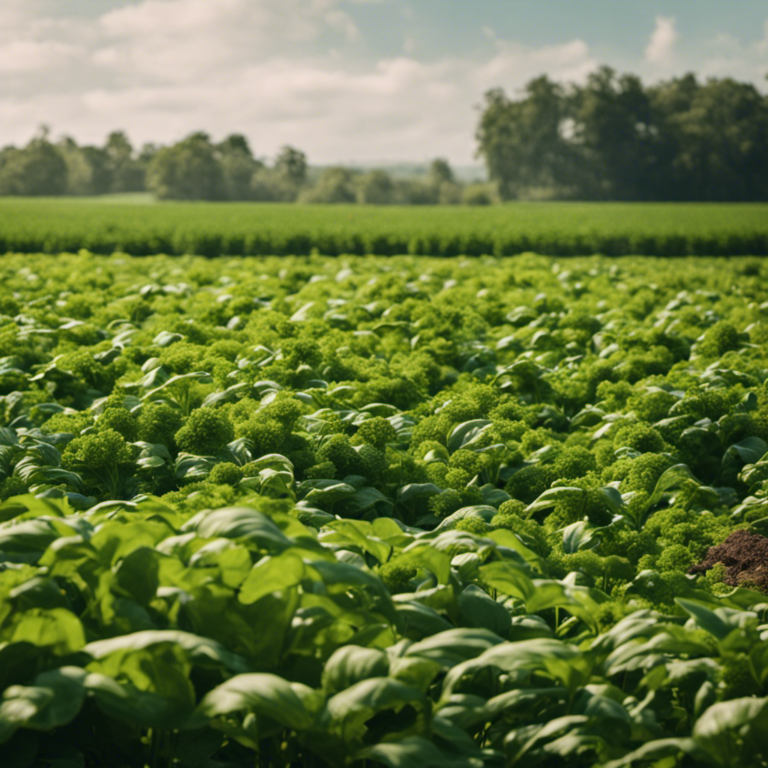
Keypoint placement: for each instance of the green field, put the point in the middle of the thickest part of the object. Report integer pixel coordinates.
(213, 229)
(401, 512)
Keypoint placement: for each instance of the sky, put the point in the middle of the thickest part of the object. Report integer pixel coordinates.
(344, 80)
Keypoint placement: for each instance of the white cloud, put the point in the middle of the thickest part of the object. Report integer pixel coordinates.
(26, 56)
(280, 71)
(727, 56)
(661, 46)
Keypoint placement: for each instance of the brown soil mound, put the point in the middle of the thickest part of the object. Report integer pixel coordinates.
(745, 557)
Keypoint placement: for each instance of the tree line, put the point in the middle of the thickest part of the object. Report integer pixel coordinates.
(196, 168)
(614, 138)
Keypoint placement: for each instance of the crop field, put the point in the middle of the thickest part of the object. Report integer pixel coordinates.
(29, 225)
(397, 511)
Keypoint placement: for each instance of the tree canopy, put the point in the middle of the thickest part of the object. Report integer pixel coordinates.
(615, 138)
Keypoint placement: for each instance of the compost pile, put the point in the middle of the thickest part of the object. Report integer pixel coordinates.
(745, 557)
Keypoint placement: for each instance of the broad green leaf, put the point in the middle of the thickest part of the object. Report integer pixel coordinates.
(416, 752)
(264, 694)
(271, 574)
(351, 664)
(54, 700)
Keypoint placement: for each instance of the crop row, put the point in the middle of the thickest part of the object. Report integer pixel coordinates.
(615, 229)
(384, 511)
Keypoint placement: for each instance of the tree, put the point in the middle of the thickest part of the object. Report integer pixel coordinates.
(335, 185)
(188, 170)
(617, 136)
(717, 134)
(126, 173)
(88, 168)
(375, 188)
(37, 169)
(523, 142)
(440, 172)
(238, 166)
(292, 164)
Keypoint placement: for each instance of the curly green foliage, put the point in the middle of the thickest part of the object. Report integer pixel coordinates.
(614, 396)
(722, 337)
(103, 458)
(397, 578)
(12, 486)
(696, 531)
(205, 432)
(159, 423)
(269, 430)
(512, 507)
(371, 463)
(591, 504)
(474, 402)
(530, 532)
(225, 473)
(651, 406)
(121, 420)
(472, 525)
(640, 437)
(710, 403)
(205, 495)
(659, 590)
(586, 561)
(299, 450)
(714, 579)
(701, 451)
(83, 365)
(638, 475)
(462, 467)
(73, 423)
(339, 451)
(737, 678)
(528, 483)
(536, 439)
(625, 542)
(574, 462)
(675, 557)
(451, 500)
(376, 432)
(325, 470)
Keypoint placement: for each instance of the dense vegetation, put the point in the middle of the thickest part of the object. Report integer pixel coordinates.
(196, 168)
(49, 225)
(615, 139)
(612, 138)
(402, 512)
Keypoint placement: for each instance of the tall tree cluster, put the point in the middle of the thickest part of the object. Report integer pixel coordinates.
(614, 138)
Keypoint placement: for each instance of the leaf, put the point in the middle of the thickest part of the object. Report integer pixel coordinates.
(462, 435)
(747, 451)
(552, 496)
(733, 732)
(416, 752)
(54, 700)
(349, 711)
(239, 523)
(417, 490)
(455, 645)
(272, 574)
(671, 478)
(508, 577)
(199, 376)
(199, 650)
(655, 751)
(579, 535)
(359, 534)
(264, 694)
(351, 664)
